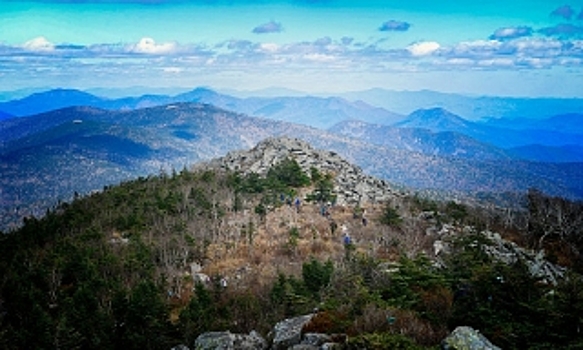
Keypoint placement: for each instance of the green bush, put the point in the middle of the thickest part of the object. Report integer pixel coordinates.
(317, 275)
(390, 216)
(288, 173)
(382, 341)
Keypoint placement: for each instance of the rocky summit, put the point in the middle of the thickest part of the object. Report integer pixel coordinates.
(352, 186)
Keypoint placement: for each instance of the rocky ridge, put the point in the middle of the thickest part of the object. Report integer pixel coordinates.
(352, 186)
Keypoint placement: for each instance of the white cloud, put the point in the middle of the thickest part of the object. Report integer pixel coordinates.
(461, 62)
(497, 62)
(317, 57)
(269, 47)
(172, 70)
(149, 46)
(39, 44)
(423, 48)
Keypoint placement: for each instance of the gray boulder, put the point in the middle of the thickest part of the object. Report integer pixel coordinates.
(230, 341)
(180, 347)
(303, 347)
(316, 339)
(288, 333)
(467, 338)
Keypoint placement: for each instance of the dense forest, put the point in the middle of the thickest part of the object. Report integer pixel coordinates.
(122, 268)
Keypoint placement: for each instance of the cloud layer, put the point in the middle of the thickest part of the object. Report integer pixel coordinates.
(507, 48)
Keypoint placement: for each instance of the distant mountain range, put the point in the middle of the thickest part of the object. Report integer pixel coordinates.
(49, 156)
(421, 140)
(564, 123)
(557, 132)
(439, 120)
(471, 107)
(313, 111)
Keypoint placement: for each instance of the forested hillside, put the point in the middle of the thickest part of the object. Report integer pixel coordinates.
(157, 261)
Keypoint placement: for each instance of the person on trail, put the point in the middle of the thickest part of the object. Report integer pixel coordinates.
(298, 204)
(346, 237)
(347, 240)
(364, 218)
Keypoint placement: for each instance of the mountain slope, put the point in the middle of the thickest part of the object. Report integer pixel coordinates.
(565, 123)
(438, 119)
(50, 100)
(443, 144)
(4, 115)
(540, 153)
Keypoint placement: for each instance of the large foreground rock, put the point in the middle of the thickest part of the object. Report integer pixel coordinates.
(230, 341)
(288, 333)
(467, 338)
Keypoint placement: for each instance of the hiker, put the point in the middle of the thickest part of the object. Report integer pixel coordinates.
(364, 219)
(297, 203)
(346, 240)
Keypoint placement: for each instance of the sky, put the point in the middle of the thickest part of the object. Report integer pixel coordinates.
(528, 48)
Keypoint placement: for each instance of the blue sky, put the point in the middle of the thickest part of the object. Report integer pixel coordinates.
(509, 48)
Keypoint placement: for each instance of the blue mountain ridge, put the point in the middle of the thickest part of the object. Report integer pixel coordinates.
(314, 111)
(439, 120)
(325, 112)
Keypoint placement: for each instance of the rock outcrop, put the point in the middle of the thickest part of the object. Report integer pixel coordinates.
(288, 333)
(230, 341)
(467, 338)
(352, 186)
(509, 252)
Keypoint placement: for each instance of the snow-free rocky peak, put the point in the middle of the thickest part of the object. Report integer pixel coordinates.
(352, 186)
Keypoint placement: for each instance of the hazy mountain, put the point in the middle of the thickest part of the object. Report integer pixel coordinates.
(20, 93)
(471, 107)
(115, 93)
(540, 153)
(313, 111)
(52, 155)
(566, 123)
(436, 119)
(4, 115)
(267, 92)
(445, 144)
(439, 119)
(50, 100)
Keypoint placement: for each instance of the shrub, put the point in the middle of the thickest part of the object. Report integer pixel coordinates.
(317, 275)
(390, 216)
(288, 173)
(381, 341)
